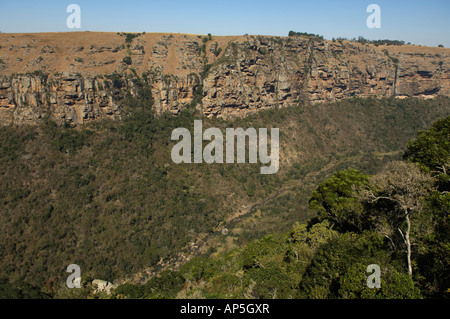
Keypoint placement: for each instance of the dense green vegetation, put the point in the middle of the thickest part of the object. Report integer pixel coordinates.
(328, 256)
(106, 196)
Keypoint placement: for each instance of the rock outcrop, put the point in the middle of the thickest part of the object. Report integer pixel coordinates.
(69, 98)
(83, 76)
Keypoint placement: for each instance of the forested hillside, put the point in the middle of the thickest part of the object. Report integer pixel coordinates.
(107, 196)
(397, 219)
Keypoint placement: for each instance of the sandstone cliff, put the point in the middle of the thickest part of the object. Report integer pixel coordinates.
(78, 77)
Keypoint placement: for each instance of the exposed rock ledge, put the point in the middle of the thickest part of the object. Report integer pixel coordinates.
(80, 77)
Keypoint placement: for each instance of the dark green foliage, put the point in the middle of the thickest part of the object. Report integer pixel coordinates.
(70, 140)
(127, 60)
(165, 286)
(130, 291)
(362, 40)
(306, 34)
(217, 51)
(433, 261)
(203, 49)
(198, 96)
(335, 200)
(13, 144)
(197, 269)
(431, 149)
(205, 70)
(20, 290)
(129, 37)
(393, 59)
(394, 284)
(207, 38)
(338, 270)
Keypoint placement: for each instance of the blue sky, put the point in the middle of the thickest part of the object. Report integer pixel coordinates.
(419, 22)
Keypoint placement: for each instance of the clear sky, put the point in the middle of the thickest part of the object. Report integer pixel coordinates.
(425, 22)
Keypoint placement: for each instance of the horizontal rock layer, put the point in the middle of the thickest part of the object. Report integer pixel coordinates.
(78, 77)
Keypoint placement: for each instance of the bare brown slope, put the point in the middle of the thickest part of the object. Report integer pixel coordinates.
(101, 52)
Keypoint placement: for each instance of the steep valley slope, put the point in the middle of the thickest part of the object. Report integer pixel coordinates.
(85, 167)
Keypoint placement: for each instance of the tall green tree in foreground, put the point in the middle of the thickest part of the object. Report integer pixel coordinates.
(403, 186)
(431, 151)
(335, 199)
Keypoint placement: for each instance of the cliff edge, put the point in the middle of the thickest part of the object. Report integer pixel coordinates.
(78, 77)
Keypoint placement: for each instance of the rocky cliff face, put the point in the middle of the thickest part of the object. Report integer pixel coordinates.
(80, 77)
(75, 99)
